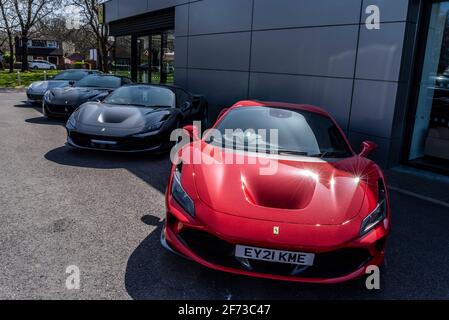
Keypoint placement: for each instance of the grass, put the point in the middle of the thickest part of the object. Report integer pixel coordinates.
(13, 80)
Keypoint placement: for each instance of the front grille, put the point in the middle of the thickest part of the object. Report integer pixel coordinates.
(34, 96)
(60, 109)
(122, 144)
(326, 265)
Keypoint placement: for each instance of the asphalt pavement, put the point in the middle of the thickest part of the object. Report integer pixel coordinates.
(104, 212)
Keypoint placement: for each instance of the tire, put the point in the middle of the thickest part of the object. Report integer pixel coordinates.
(35, 68)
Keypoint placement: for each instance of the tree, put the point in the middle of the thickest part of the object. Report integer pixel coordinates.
(56, 28)
(8, 25)
(29, 13)
(90, 11)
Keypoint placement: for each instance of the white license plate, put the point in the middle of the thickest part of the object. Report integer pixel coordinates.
(103, 142)
(299, 258)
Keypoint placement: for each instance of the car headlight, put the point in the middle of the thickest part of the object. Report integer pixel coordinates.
(48, 96)
(71, 123)
(378, 215)
(154, 127)
(178, 192)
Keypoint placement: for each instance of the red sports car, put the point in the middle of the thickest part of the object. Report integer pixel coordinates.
(322, 215)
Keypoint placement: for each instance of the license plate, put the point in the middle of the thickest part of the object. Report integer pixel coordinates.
(103, 143)
(290, 257)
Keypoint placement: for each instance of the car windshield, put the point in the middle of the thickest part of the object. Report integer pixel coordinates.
(280, 131)
(100, 82)
(70, 76)
(145, 96)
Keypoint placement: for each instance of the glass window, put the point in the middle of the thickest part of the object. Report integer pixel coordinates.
(144, 59)
(430, 140)
(168, 58)
(122, 56)
(100, 82)
(298, 132)
(155, 58)
(70, 75)
(181, 97)
(146, 96)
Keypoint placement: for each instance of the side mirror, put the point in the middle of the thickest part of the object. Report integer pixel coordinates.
(193, 132)
(186, 105)
(367, 148)
(71, 82)
(222, 112)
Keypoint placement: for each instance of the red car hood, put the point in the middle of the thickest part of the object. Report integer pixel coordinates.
(303, 190)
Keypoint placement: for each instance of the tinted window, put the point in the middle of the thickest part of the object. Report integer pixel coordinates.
(75, 76)
(148, 96)
(299, 132)
(181, 97)
(100, 82)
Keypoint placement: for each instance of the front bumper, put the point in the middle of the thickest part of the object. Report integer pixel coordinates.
(35, 97)
(214, 247)
(60, 111)
(152, 144)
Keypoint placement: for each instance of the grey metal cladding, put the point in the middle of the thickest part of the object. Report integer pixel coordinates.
(326, 51)
(331, 94)
(227, 51)
(221, 88)
(182, 20)
(216, 16)
(181, 52)
(270, 14)
(390, 10)
(373, 107)
(380, 52)
(131, 7)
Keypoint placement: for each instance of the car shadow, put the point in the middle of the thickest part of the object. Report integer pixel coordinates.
(153, 169)
(25, 104)
(46, 121)
(155, 273)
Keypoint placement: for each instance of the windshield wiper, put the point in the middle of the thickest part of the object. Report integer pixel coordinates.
(290, 152)
(331, 154)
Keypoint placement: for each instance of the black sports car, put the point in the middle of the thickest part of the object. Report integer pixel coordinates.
(61, 102)
(36, 90)
(136, 118)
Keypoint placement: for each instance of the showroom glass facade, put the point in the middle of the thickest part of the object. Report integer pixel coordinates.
(122, 56)
(430, 134)
(155, 57)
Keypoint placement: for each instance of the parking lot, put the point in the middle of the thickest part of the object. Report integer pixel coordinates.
(104, 213)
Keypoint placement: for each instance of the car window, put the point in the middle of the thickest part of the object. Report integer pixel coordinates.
(181, 97)
(145, 96)
(296, 132)
(126, 81)
(100, 81)
(70, 75)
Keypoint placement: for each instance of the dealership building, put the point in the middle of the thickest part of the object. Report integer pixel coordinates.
(388, 83)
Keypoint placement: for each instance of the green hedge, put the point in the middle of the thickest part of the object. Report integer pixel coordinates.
(10, 80)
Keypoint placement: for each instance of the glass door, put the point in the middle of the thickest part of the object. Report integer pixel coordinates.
(156, 47)
(430, 140)
(156, 58)
(168, 58)
(143, 60)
